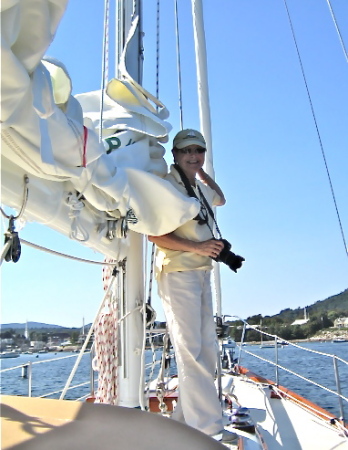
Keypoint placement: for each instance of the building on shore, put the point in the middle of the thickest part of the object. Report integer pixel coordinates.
(341, 322)
(302, 321)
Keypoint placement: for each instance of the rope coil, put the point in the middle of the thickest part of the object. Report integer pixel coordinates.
(105, 339)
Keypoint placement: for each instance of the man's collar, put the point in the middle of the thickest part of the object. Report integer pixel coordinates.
(176, 174)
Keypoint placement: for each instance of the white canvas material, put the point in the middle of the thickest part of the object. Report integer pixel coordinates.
(187, 303)
(117, 115)
(51, 135)
(140, 93)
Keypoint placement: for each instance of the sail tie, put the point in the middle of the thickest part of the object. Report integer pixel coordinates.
(77, 231)
(84, 155)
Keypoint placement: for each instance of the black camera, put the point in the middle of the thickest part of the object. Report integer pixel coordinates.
(233, 261)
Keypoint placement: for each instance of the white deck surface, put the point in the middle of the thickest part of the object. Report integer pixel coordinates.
(286, 425)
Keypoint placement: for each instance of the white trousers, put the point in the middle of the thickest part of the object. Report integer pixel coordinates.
(187, 303)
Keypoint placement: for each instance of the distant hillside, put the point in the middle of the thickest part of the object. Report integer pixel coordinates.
(31, 325)
(40, 327)
(336, 304)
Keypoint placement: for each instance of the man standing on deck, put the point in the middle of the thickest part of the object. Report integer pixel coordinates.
(184, 263)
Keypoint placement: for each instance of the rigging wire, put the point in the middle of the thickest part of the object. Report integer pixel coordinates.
(317, 128)
(148, 312)
(64, 255)
(157, 49)
(24, 202)
(105, 63)
(104, 80)
(153, 247)
(337, 29)
(178, 63)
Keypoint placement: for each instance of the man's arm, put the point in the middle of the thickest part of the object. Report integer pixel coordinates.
(212, 184)
(211, 247)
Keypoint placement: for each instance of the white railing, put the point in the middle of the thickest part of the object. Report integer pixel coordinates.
(28, 370)
(277, 342)
(27, 373)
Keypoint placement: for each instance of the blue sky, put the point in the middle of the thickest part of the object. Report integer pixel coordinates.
(279, 213)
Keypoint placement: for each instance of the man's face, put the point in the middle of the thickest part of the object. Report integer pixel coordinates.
(190, 159)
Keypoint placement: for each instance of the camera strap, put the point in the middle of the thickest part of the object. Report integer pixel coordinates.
(202, 199)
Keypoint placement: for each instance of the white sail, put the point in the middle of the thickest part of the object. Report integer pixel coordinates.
(47, 136)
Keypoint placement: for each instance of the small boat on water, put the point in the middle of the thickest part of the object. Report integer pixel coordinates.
(339, 340)
(11, 354)
(267, 345)
(99, 192)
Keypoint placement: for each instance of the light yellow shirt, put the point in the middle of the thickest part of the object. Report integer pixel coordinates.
(175, 260)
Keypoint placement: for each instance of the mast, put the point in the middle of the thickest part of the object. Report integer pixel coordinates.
(204, 113)
(131, 328)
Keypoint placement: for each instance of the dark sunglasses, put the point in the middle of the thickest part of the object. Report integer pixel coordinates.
(188, 150)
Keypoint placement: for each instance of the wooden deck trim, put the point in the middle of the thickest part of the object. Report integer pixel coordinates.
(293, 396)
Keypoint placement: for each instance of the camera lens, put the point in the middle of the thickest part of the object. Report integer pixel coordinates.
(233, 261)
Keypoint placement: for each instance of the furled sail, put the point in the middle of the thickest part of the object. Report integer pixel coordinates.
(77, 184)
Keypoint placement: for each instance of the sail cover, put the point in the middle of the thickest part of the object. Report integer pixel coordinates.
(53, 137)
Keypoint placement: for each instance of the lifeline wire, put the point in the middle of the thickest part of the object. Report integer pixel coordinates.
(54, 252)
(317, 129)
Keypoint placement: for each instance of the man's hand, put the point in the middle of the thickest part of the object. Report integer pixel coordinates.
(211, 248)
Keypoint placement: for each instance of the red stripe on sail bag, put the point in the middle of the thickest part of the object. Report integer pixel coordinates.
(85, 136)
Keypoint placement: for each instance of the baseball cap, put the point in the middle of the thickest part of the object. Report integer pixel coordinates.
(189, 137)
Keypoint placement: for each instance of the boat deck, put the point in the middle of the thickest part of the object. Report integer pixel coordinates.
(41, 424)
(281, 420)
